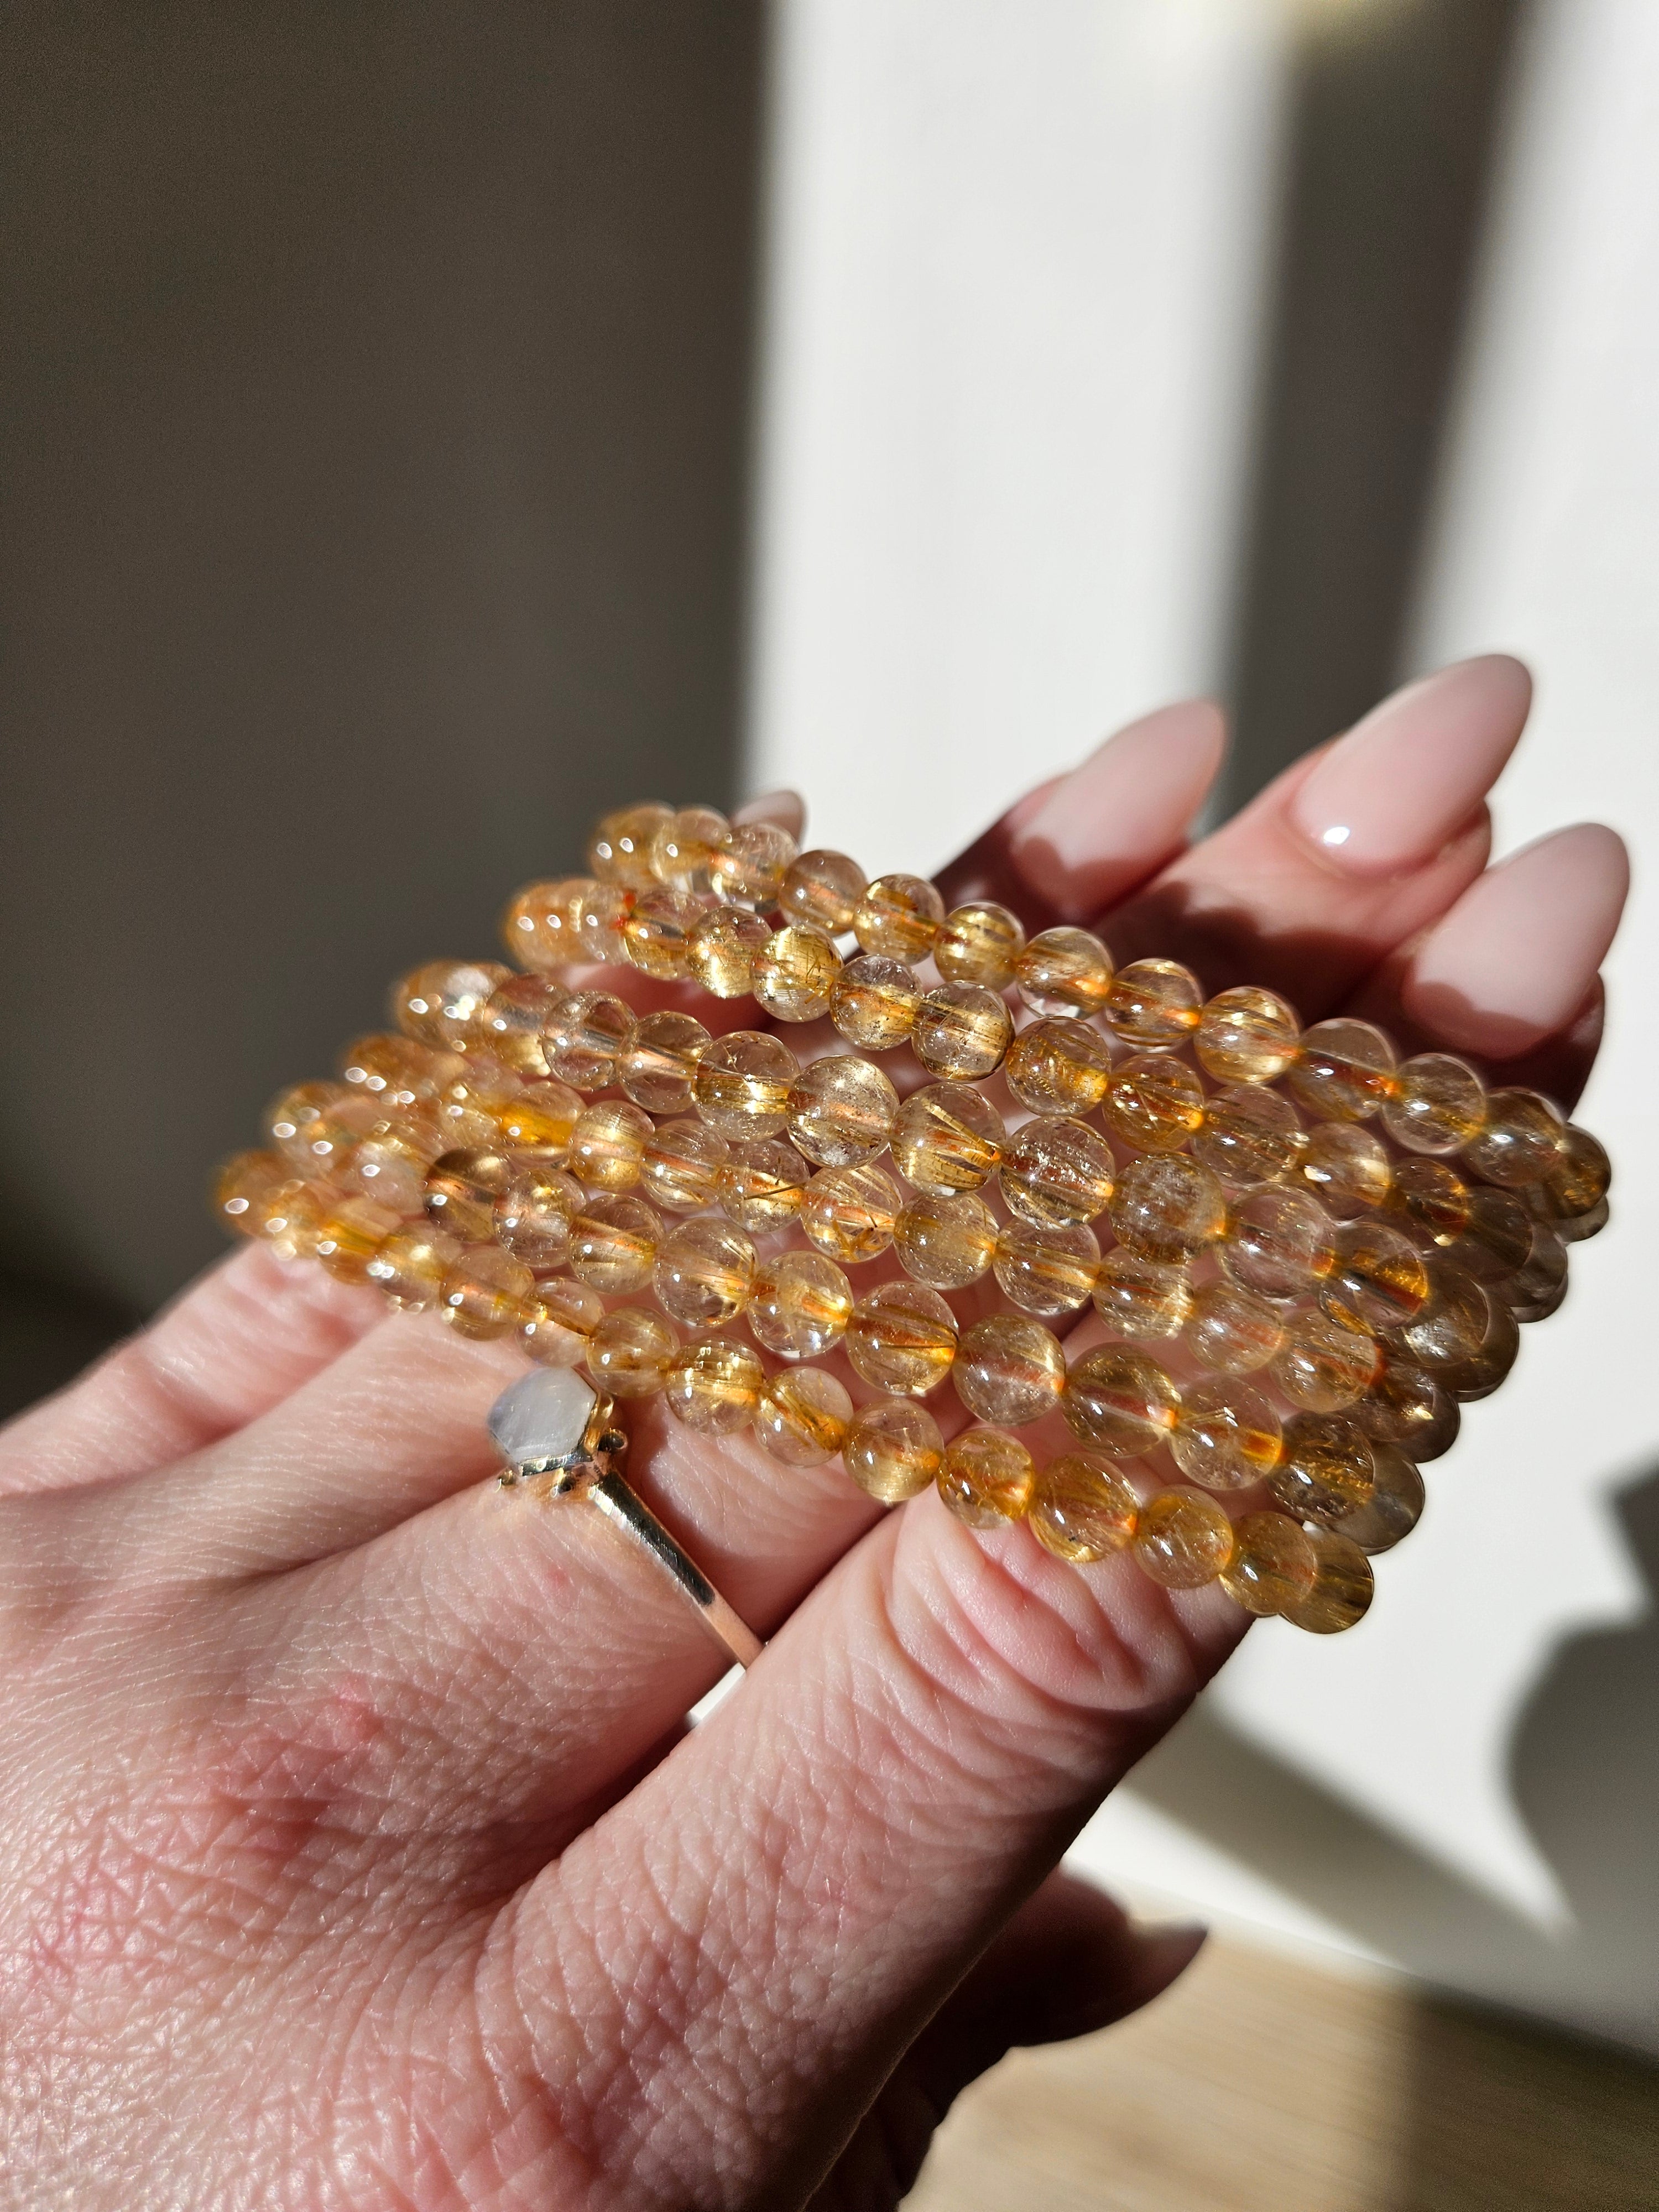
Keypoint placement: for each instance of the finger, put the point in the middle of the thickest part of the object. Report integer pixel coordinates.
(785, 809)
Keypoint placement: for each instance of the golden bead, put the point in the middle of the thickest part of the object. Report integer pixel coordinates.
(599, 922)
(961, 1031)
(1008, 1369)
(658, 1065)
(1232, 1333)
(1182, 1539)
(413, 1265)
(1227, 1437)
(850, 1212)
(945, 1239)
(1342, 1589)
(1247, 1035)
(1428, 1201)
(899, 917)
(705, 1272)
(712, 1385)
(1059, 1065)
(1167, 1207)
(1121, 1400)
(841, 1111)
(1524, 1139)
(903, 1338)
(536, 927)
(762, 1184)
(1577, 1186)
(619, 851)
(893, 1449)
(1146, 1300)
(749, 869)
(1154, 1002)
(1452, 1324)
(795, 973)
(1377, 1280)
(1537, 1288)
(824, 889)
(461, 1191)
(1480, 1373)
(351, 1233)
(399, 1070)
(979, 944)
(607, 1145)
(563, 1316)
(1395, 1506)
(987, 1479)
(486, 1292)
(722, 949)
(587, 1038)
(1406, 1406)
(484, 1086)
(1154, 1103)
(1327, 1469)
(657, 933)
(1274, 1564)
(1064, 971)
(876, 1002)
(1278, 1244)
(291, 1218)
(680, 1168)
(1345, 1070)
(685, 848)
(1082, 1508)
(247, 1187)
(1496, 1236)
(802, 1416)
(1047, 1271)
(613, 1245)
(534, 1214)
(1250, 1136)
(315, 1125)
(541, 1118)
(801, 1304)
(1054, 1170)
(438, 1003)
(947, 1136)
(630, 1352)
(1439, 1103)
(1345, 1168)
(388, 1171)
(1322, 1366)
(743, 1084)
(513, 1022)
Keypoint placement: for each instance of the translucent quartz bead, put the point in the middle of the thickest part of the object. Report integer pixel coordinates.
(704, 1272)
(619, 851)
(1154, 1103)
(1232, 1332)
(712, 1385)
(1342, 1589)
(563, 1315)
(1326, 1469)
(1278, 1244)
(1451, 1325)
(1082, 1508)
(541, 1118)
(1122, 1400)
(1322, 1366)
(599, 918)
(1055, 1170)
(1406, 1406)
(514, 1022)
(749, 869)
(1537, 1287)
(743, 1084)
(802, 1416)
(1395, 1507)
(587, 1039)
(893, 1449)
(1059, 1065)
(1182, 1539)
(607, 1145)
(399, 1070)
(1524, 1138)
(1228, 1435)
(461, 1191)
(1346, 1168)
(1377, 1280)
(899, 917)
(413, 1265)
(1147, 1300)
(392, 1175)
(988, 1477)
(795, 974)
(486, 1292)
(762, 1184)
(1438, 1104)
(876, 1003)
(961, 1030)
(1345, 1070)
(613, 1245)
(314, 1126)
(288, 1219)
(722, 949)
(439, 1003)
(946, 1240)
(841, 1111)
(536, 927)
(903, 1338)
(657, 1066)
(800, 1305)
(685, 848)
(245, 1187)
(1429, 1201)
(1008, 1369)
(947, 1136)
(1167, 1206)
(824, 889)
(1488, 1365)
(1497, 1235)
(1047, 1271)
(1154, 1002)
(1247, 1035)
(1274, 1564)
(1250, 1136)
(979, 944)
(850, 1212)
(484, 1086)
(1579, 1183)
(351, 1233)
(1064, 971)
(657, 933)
(630, 1352)
(534, 1214)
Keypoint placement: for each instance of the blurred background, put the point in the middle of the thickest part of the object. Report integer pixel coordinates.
(425, 424)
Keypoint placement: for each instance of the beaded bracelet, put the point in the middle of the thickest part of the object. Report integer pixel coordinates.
(1283, 1207)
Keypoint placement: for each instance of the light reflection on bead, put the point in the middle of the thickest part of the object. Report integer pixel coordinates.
(748, 868)
(1250, 1136)
(1145, 1300)
(1154, 1002)
(1524, 1139)
(534, 1214)
(607, 1145)
(288, 1219)
(1346, 1167)
(850, 1212)
(399, 1070)
(1429, 1201)
(1406, 1406)
(657, 1065)
(613, 1245)
(619, 851)
(795, 974)
(486, 1292)
(893, 1449)
(351, 1233)
(1058, 1065)
(802, 1416)
(824, 889)
(1247, 1035)
(899, 917)
(563, 1316)
(1064, 971)
(541, 1118)
(947, 1136)
(903, 1338)
(1182, 1539)
(762, 1184)
(1082, 1508)
(961, 1030)
(1377, 1280)
(315, 1125)
(681, 1165)
(1395, 1506)
(1231, 1331)
(1342, 1589)
(630, 1351)
(412, 1265)
(721, 950)
(1278, 1244)
(1154, 1103)
(713, 1384)
(1345, 1070)
(800, 1305)
(987, 1479)
(1227, 1435)
(876, 1003)
(513, 1021)
(439, 1003)
(585, 1039)
(1120, 1400)
(1056, 1170)
(1008, 1369)
(841, 1110)
(1322, 1366)
(1047, 1271)
(657, 933)
(743, 1084)
(247, 1186)
(945, 1239)
(536, 927)
(685, 849)
(598, 921)
(461, 1191)
(1439, 1103)
(704, 1272)
(1274, 1564)
(1578, 1184)
(1327, 1469)
(1452, 1323)
(979, 944)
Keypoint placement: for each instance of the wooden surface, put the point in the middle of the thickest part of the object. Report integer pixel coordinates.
(1261, 2084)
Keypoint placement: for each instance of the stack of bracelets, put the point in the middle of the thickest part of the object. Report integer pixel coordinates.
(1332, 1246)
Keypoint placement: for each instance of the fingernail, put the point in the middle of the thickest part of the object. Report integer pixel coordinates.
(786, 809)
(1388, 795)
(1513, 960)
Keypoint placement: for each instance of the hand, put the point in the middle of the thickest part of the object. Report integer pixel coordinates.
(354, 1851)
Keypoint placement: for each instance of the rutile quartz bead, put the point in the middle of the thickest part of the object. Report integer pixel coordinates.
(1452, 1323)
(1395, 1508)
(1406, 1406)
(1154, 1103)
(1327, 1469)
(461, 1191)
(1439, 1103)
(945, 1239)
(1056, 1171)
(536, 927)
(1047, 1271)
(563, 1315)
(841, 1111)
(1122, 1400)
(1279, 1242)
(760, 1184)
(1064, 971)
(1146, 1300)
(1182, 1539)
(512, 1024)
(315, 1125)
(824, 889)
(487, 1292)
(399, 1070)
(947, 1136)
(658, 1065)
(1429, 1201)
(613, 1245)
(802, 1416)
(411, 1266)
(1247, 1035)
(1154, 1002)
(1274, 1564)
(1377, 1280)
(1167, 1206)
(1496, 1237)
(599, 922)
(533, 1215)
(1322, 1366)
(1487, 1366)
(743, 1084)
(1008, 1369)
(801, 1304)
(988, 1477)
(619, 851)
(1539, 1283)
(893, 1449)
(685, 848)
(979, 944)
(289, 1220)
(876, 1002)
(899, 917)
(850, 1212)
(439, 1003)
(1345, 1070)
(1233, 1331)
(722, 949)
(1523, 1141)
(795, 974)
(1342, 1589)
(1250, 1136)
(903, 1338)
(630, 1352)
(748, 868)
(1577, 1185)
(1346, 1168)
(657, 933)
(704, 1273)
(1058, 1065)
(607, 1145)
(477, 1094)
(1227, 1435)
(351, 1233)
(585, 1039)
(540, 1118)
(245, 1187)
(961, 1030)
(712, 1385)
(388, 1171)
(1082, 1508)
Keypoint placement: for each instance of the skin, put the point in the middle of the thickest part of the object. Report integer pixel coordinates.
(352, 1848)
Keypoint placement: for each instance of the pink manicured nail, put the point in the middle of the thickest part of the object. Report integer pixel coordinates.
(1388, 795)
(785, 809)
(1512, 960)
